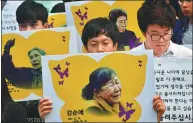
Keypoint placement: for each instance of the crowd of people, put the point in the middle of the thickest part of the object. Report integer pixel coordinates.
(165, 24)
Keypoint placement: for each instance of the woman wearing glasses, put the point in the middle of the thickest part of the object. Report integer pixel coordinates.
(156, 21)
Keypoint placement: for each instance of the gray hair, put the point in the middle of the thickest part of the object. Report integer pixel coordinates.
(37, 49)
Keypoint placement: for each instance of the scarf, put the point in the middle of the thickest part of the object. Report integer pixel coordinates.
(37, 78)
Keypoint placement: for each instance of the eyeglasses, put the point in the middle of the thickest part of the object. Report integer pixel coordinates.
(156, 37)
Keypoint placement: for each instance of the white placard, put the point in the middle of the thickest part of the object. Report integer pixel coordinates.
(173, 77)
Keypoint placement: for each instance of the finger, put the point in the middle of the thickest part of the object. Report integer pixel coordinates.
(47, 103)
(161, 108)
(156, 97)
(159, 105)
(156, 103)
(43, 100)
(43, 114)
(45, 108)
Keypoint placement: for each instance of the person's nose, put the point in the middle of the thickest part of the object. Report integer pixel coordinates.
(161, 40)
(28, 27)
(34, 60)
(116, 88)
(100, 48)
(184, 4)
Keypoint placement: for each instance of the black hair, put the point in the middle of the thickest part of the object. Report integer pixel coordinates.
(97, 26)
(31, 11)
(115, 13)
(58, 8)
(156, 12)
(177, 8)
(97, 79)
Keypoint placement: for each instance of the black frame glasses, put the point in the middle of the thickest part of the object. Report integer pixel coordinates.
(155, 37)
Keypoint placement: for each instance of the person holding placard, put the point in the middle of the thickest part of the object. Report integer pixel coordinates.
(99, 35)
(156, 20)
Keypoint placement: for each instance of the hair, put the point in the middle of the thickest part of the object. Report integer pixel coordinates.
(115, 13)
(58, 8)
(43, 53)
(176, 5)
(31, 11)
(98, 26)
(156, 12)
(97, 79)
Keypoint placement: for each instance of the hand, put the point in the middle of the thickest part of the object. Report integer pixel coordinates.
(159, 106)
(45, 107)
(10, 43)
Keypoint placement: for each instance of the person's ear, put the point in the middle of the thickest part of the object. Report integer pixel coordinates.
(45, 25)
(86, 48)
(144, 34)
(115, 46)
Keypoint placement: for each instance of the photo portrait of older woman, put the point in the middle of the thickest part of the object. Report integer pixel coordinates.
(104, 90)
(23, 77)
(127, 37)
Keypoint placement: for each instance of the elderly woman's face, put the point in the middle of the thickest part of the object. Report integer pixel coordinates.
(35, 59)
(121, 23)
(111, 91)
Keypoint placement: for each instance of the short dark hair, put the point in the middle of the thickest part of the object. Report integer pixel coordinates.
(97, 26)
(58, 8)
(42, 52)
(97, 79)
(31, 11)
(156, 12)
(115, 13)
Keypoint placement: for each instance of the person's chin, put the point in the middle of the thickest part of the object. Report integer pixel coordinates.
(36, 67)
(160, 47)
(117, 99)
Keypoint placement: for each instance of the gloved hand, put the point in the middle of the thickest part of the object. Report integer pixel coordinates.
(10, 43)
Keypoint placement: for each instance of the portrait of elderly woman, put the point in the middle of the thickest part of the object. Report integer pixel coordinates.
(127, 38)
(23, 77)
(103, 91)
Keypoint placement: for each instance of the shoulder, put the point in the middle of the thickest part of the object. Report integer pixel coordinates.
(129, 32)
(180, 23)
(93, 107)
(181, 51)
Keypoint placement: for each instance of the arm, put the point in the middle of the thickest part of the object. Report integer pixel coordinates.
(10, 71)
(134, 41)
